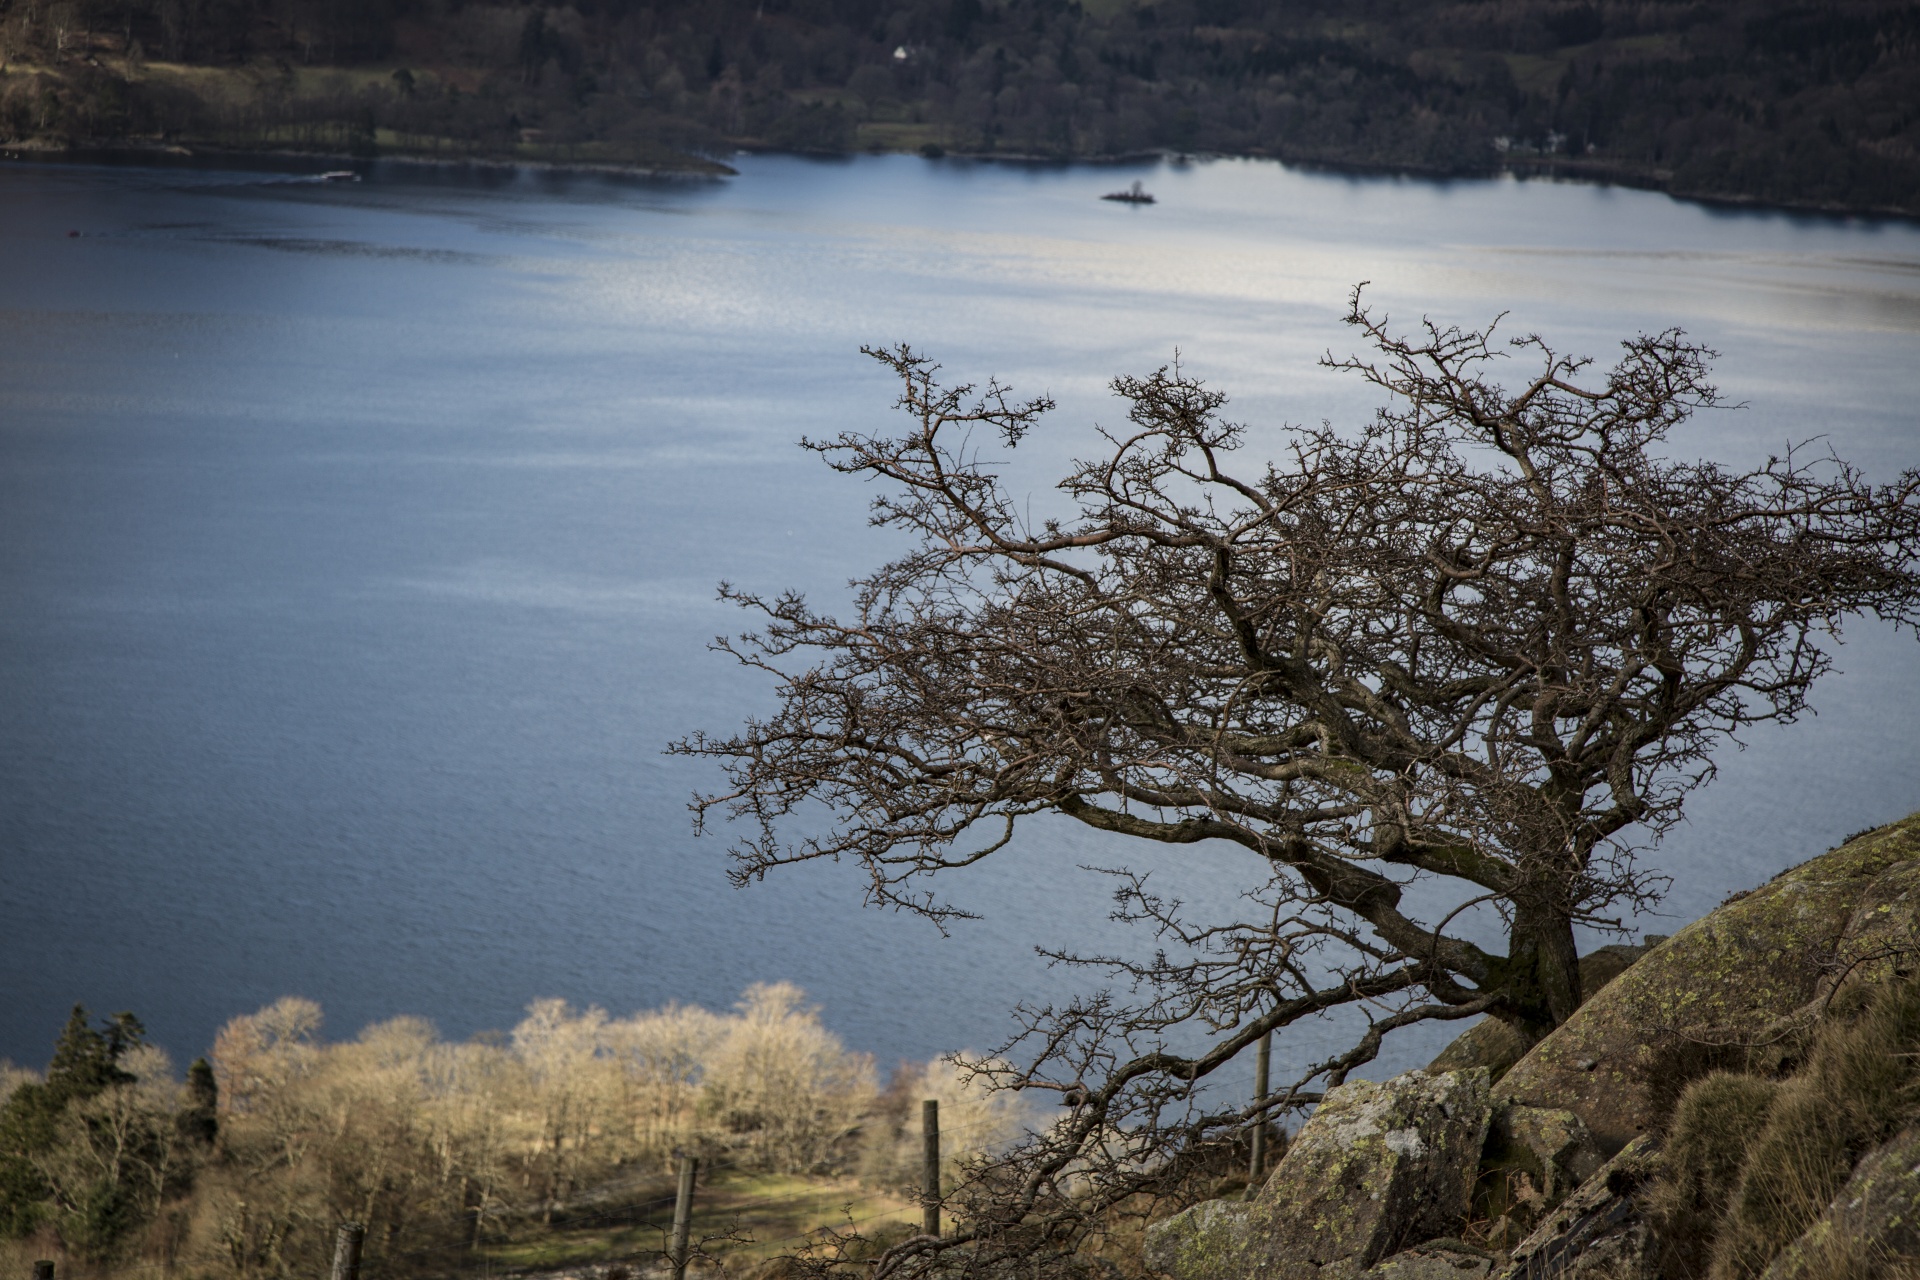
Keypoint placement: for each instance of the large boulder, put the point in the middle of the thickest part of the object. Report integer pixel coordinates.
(1757, 959)
(1497, 1045)
(1600, 1232)
(1378, 1167)
(1874, 1219)
(1200, 1243)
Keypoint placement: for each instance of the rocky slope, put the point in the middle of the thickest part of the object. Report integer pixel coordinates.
(1770, 1043)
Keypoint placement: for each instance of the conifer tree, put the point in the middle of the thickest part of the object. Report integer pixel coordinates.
(86, 1062)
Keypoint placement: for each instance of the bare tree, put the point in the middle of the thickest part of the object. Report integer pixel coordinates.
(783, 1083)
(1491, 638)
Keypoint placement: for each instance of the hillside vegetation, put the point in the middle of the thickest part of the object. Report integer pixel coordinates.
(1756, 100)
(551, 1147)
(1701, 1117)
(1741, 1102)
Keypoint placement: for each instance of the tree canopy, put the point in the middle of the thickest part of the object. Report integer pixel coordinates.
(1491, 638)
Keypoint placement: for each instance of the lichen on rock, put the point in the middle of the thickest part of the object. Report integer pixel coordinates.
(1379, 1166)
(1736, 971)
(1201, 1243)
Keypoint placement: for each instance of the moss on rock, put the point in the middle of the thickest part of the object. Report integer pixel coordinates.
(1750, 963)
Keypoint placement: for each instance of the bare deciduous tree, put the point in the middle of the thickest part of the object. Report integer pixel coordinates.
(1492, 638)
(784, 1081)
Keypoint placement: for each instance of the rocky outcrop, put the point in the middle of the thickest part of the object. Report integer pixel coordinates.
(1553, 1147)
(1754, 961)
(1379, 1166)
(1435, 1260)
(1874, 1220)
(1383, 1174)
(1600, 1232)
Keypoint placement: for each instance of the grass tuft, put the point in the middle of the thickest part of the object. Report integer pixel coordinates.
(1713, 1127)
(1751, 1163)
(1860, 1085)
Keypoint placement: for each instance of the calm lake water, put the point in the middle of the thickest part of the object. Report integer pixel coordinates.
(358, 543)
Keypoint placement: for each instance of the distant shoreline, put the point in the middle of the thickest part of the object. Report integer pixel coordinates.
(1585, 173)
(134, 150)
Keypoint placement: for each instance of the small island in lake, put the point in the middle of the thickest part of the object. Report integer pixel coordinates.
(1136, 194)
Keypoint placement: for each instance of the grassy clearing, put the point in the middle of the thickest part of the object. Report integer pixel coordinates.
(770, 1213)
(880, 135)
(1536, 75)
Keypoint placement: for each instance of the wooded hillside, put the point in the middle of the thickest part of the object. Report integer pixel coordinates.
(1766, 100)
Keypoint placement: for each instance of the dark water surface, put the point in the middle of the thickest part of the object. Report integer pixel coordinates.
(358, 543)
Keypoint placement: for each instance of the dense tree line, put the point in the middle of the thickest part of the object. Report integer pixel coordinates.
(1773, 100)
(243, 1171)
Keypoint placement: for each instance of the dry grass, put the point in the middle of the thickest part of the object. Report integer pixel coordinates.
(1715, 1123)
(746, 1218)
(1859, 1086)
(1752, 1163)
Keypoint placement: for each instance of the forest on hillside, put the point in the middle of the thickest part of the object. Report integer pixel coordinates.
(1777, 101)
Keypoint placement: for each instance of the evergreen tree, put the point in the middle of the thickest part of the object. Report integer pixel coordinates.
(86, 1062)
(200, 1121)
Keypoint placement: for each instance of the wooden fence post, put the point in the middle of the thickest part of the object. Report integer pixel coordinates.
(1262, 1061)
(683, 1214)
(346, 1251)
(930, 1166)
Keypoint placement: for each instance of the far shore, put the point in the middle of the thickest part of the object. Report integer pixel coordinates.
(686, 165)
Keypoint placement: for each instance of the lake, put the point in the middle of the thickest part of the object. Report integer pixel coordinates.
(358, 543)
